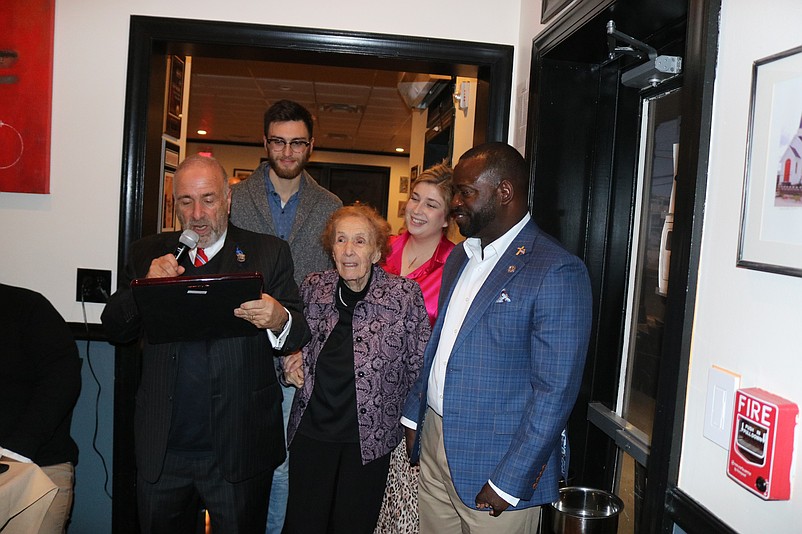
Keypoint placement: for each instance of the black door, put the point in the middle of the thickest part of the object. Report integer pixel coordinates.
(354, 183)
(604, 156)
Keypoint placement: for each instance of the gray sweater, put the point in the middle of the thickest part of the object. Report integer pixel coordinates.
(250, 210)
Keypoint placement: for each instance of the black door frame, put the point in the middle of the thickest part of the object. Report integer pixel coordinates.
(151, 39)
(593, 231)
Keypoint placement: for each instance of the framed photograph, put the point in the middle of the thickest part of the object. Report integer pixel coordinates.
(402, 208)
(241, 174)
(170, 156)
(771, 214)
(168, 207)
(175, 97)
(403, 186)
(549, 8)
(413, 173)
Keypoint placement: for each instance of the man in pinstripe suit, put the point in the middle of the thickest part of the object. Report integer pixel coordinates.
(503, 366)
(208, 425)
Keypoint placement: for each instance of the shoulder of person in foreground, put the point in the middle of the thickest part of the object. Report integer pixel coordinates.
(44, 370)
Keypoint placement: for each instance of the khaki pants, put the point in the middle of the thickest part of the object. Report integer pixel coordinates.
(442, 511)
(57, 516)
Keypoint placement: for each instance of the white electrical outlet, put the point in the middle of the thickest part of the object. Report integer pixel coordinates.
(721, 387)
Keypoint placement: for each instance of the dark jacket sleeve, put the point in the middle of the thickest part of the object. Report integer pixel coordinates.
(121, 320)
(281, 286)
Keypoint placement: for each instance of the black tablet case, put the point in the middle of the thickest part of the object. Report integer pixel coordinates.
(193, 308)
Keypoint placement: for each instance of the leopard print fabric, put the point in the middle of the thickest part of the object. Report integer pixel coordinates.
(399, 511)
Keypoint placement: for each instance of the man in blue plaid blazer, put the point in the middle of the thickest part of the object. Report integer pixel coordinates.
(503, 366)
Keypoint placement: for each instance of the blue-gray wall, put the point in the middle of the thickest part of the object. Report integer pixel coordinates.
(92, 509)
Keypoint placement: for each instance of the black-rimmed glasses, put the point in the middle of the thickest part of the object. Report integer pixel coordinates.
(277, 144)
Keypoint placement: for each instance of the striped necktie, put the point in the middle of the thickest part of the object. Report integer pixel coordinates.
(200, 258)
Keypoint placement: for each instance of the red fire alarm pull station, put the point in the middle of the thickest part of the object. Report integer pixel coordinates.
(762, 443)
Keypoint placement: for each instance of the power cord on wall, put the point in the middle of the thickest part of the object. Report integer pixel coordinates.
(97, 398)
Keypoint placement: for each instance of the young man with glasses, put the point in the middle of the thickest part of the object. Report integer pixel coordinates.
(280, 198)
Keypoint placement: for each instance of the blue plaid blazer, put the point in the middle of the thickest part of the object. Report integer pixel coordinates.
(514, 372)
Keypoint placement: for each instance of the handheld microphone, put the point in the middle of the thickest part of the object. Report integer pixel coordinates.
(188, 240)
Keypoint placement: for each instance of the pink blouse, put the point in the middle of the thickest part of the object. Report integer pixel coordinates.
(428, 275)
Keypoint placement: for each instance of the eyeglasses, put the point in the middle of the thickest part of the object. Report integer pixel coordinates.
(277, 144)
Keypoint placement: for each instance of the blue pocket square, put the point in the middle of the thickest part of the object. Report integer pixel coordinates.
(504, 297)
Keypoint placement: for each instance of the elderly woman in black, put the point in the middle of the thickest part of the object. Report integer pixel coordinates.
(369, 331)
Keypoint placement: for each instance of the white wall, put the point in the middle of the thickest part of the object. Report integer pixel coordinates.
(530, 27)
(745, 320)
(77, 224)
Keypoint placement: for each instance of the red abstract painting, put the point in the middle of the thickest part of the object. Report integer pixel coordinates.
(26, 80)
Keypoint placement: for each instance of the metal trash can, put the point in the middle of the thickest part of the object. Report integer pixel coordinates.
(582, 511)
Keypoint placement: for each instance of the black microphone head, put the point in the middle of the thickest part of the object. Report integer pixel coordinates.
(189, 238)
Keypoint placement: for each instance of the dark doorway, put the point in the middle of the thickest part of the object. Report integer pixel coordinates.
(365, 184)
(583, 141)
(152, 40)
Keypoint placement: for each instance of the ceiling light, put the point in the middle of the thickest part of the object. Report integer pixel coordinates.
(399, 149)
(202, 132)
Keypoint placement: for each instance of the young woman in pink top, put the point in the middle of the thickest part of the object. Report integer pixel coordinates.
(418, 253)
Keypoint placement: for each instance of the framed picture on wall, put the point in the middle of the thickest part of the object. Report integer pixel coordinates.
(771, 215)
(413, 173)
(241, 174)
(170, 159)
(403, 185)
(26, 79)
(168, 207)
(175, 97)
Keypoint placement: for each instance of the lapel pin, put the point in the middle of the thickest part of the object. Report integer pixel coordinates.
(511, 269)
(521, 251)
(240, 255)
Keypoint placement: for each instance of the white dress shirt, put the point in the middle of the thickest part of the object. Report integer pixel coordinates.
(480, 265)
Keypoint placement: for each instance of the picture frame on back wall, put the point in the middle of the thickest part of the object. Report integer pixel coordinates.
(170, 156)
(403, 185)
(175, 97)
(771, 210)
(241, 174)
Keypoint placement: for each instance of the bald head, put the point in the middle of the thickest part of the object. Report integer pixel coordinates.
(490, 191)
(501, 161)
(209, 164)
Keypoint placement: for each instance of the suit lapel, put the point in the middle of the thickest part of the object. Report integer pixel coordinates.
(235, 248)
(508, 266)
